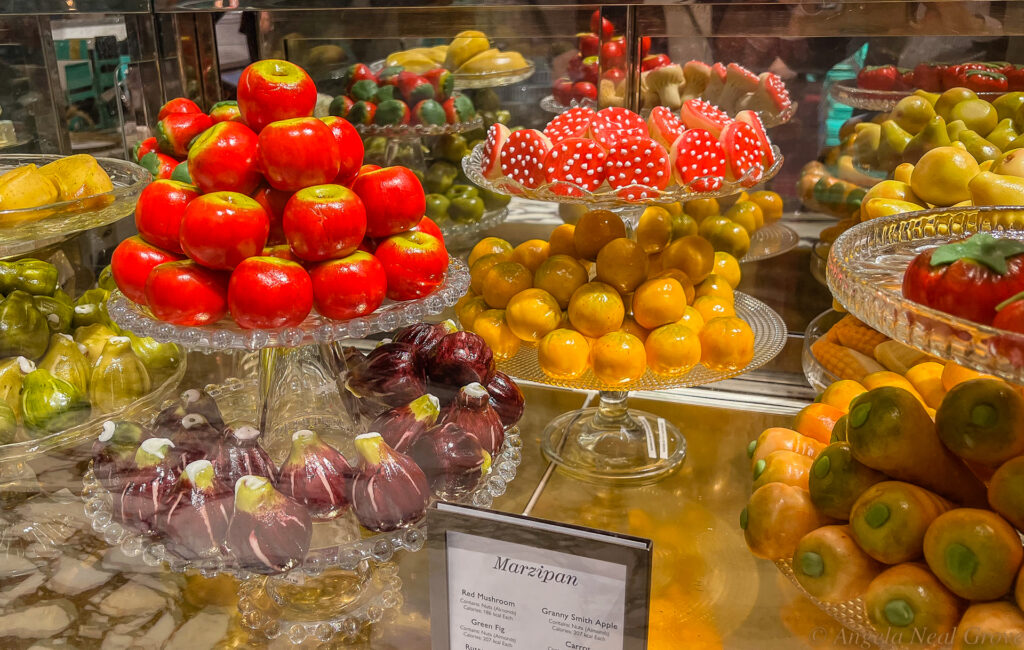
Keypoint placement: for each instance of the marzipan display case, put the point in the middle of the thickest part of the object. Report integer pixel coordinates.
(500, 325)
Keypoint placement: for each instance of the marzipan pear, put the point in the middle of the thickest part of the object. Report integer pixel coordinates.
(947, 100)
(1003, 135)
(954, 128)
(25, 188)
(493, 61)
(464, 47)
(892, 190)
(865, 145)
(941, 176)
(931, 136)
(891, 144)
(1007, 104)
(930, 97)
(77, 177)
(902, 172)
(882, 207)
(980, 148)
(912, 113)
(1010, 163)
(977, 114)
(988, 188)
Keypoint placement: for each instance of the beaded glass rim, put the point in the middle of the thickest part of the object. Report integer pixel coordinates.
(551, 105)
(227, 335)
(846, 92)
(376, 547)
(472, 165)
(866, 265)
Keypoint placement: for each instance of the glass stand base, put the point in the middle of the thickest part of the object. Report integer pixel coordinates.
(612, 445)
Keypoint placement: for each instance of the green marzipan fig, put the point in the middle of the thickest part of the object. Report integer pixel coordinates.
(50, 404)
(118, 377)
(66, 360)
(23, 329)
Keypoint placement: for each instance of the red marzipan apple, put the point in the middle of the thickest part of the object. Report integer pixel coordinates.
(653, 61)
(600, 25)
(428, 226)
(299, 153)
(131, 263)
(613, 55)
(394, 200)
(584, 90)
(588, 43)
(348, 287)
(324, 222)
(273, 201)
(272, 90)
(185, 293)
(269, 292)
(159, 211)
(562, 91)
(220, 230)
(351, 146)
(223, 158)
(414, 263)
(178, 105)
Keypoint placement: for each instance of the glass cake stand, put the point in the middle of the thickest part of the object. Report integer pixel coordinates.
(770, 241)
(612, 444)
(847, 92)
(494, 79)
(28, 229)
(460, 236)
(865, 274)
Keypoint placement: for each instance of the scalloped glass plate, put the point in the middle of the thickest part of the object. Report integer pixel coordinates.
(460, 236)
(227, 335)
(769, 337)
(770, 241)
(417, 130)
(865, 273)
(138, 409)
(851, 613)
(268, 609)
(493, 79)
(19, 227)
(816, 374)
(340, 542)
(551, 105)
(605, 196)
(847, 92)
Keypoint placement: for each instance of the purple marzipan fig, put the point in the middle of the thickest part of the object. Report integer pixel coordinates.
(390, 489)
(148, 487)
(240, 454)
(461, 358)
(391, 373)
(316, 475)
(453, 460)
(114, 452)
(471, 410)
(198, 514)
(195, 439)
(425, 336)
(269, 532)
(400, 426)
(506, 399)
(199, 401)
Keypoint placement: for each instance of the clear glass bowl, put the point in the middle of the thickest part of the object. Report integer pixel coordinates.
(817, 375)
(847, 92)
(417, 130)
(19, 228)
(769, 337)
(851, 614)
(771, 241)
(493, 79)
(227, 335)
(606, 197)
(865, 273)
(819, 262)
(462, 236)
(140, 408)
(338, 543)
(343, 604)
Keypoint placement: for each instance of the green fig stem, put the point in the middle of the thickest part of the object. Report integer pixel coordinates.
(200, 474)
(152, 452)
(371, 447)
(253, 492)
(425, 408)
